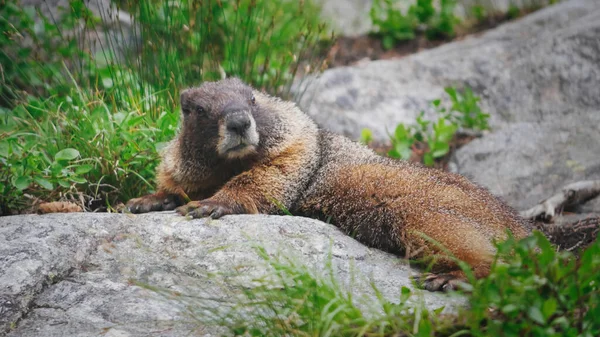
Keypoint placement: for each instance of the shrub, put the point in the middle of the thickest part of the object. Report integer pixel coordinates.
(536, 291)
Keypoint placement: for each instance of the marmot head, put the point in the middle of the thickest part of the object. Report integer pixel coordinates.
(223, 117)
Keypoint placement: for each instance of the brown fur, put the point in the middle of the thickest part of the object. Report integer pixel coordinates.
(392, 205)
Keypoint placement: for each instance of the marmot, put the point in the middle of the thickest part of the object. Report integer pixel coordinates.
(242, 151)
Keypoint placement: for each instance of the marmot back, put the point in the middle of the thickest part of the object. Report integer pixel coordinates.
(241, 151)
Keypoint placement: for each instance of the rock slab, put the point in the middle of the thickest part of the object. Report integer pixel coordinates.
(70, 274)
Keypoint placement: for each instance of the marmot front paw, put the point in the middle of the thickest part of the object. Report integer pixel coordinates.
(154, 202)
(438, 282)
(204, 208)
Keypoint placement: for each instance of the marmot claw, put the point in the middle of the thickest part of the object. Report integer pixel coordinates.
(438, 282)
(204, 208)
(153, 202)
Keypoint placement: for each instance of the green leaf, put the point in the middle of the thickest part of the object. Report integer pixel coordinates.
(509, 308)
(440, 149)
(425, 328)
(451, 92)
(439, 310)
(64, 183)
(403, 148)
(401, 132)
(388, 42)
(549, 307)
(4, 149)
(562, 321)
(366, 136)
(444, 132)
(404, 294)
(78, 180)
(428, 159)
(44, 183)
(22, 183)
(56, 169)
(83, 169)
(536, 315)
(66, 154)
(394, 154)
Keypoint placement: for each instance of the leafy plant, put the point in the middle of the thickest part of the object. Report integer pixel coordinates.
(443, 23)
(535, 290)
(423, 10)
(463, 113)
(479, 12)
(366, 136)
(402, 141)
(78, 144)
(422, 16)
(392, 25)
(465, 110)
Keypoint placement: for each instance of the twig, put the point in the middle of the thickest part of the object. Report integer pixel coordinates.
(570, 195)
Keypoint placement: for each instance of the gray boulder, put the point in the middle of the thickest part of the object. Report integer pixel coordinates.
(347, 17)
(70, 274)
(539, 78)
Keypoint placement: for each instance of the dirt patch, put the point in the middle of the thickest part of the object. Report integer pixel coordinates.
(351, 50)
(574, 237)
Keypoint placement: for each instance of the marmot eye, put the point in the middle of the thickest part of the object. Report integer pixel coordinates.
(253, 100)
(200, 110)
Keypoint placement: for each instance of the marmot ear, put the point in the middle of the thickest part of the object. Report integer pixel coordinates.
(183, 96)
(184, 100)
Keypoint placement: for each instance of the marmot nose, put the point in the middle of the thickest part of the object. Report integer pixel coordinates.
(238, 123)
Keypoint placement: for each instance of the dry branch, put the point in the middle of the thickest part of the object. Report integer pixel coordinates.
(571, 195)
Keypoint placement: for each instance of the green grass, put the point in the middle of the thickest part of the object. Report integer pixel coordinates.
(265, 43)
(292, 299)
(532, 291)
(80, 144)
(82, 119)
